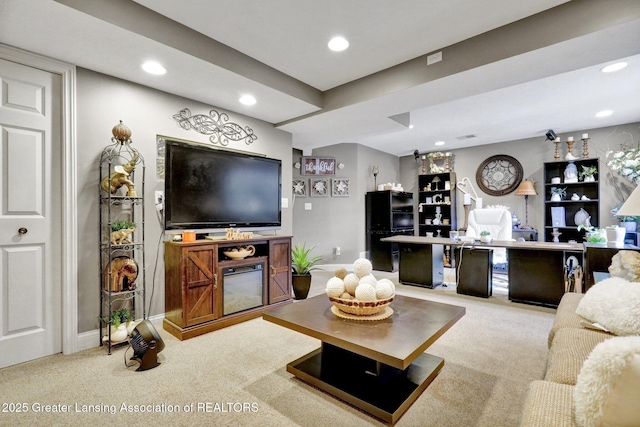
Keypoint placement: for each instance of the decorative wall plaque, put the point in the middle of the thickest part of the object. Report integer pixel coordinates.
(215, 124)
(318, 166)
(499, 175)
(299, 187)
(340, 187)
(319, 187)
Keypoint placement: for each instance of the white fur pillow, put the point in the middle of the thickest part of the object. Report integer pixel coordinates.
(608, 386)
(614, 304)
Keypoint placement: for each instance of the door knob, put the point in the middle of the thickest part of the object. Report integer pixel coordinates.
(22, 230)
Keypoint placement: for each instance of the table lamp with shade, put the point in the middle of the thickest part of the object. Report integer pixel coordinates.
(631, 206)
(526, 189)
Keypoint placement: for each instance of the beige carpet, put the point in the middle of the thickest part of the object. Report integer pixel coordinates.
(236, 376)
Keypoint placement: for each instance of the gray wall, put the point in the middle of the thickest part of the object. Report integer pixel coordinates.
(339, 221)
(101, 102)
(532, 153)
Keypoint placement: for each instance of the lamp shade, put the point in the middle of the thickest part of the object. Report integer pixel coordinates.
(526, 189)
(631, 206)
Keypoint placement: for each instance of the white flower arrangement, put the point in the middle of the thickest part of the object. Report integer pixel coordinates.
(626, 163)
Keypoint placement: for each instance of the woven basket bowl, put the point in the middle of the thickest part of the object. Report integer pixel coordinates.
(361, 308)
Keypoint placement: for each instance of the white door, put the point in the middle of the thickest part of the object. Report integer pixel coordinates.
(30, 214)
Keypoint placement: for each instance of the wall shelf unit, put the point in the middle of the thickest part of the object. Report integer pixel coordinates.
(437, 196)
(561, 215)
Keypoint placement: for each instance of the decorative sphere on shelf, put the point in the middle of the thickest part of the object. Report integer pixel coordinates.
(365, 292)
(362, 267)
(335, 287)
(351, 283)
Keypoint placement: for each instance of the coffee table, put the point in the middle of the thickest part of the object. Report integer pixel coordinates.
(377, 366)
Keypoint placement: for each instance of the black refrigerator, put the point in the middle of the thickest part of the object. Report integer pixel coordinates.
(388, 213)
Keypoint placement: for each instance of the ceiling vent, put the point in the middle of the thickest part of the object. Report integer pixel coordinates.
(460, 138)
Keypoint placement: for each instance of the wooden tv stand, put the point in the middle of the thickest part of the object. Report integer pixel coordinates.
(194, 294)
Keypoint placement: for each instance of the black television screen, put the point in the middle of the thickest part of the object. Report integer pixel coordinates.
(210, 188)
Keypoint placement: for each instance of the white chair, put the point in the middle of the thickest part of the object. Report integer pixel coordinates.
(498, 222)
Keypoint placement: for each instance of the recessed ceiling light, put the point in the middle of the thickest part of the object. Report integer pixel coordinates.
(614, 67)
(439, 142)
(152, 67)
(338, 44)
(247, 100)
(604, 113)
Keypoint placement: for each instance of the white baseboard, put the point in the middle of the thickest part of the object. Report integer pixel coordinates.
(90, 339)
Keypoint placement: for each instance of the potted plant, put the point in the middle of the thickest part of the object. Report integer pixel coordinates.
(118, 329)
(558, 194)
(302, 263)
(594, 234)
(485, 236)
(588, 173)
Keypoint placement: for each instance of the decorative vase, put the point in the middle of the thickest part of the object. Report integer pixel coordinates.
(616, 234)
(589, 178)
(555, 198)
(485, 239)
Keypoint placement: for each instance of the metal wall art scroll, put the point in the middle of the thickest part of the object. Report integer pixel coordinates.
(215, 124)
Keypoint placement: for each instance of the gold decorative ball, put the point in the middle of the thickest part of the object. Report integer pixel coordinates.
(341, 272)
(121, 132)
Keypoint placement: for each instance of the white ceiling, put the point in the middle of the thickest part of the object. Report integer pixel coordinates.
(276, 50)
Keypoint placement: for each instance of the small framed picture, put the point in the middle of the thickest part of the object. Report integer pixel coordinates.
(340, 187)
(299, 187)
(319, 187)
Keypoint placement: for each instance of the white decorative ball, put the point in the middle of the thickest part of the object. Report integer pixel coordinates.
(335, 287)
(351, 283)
(362, 267)
(346, 295)
(365, 292)
(390, 283)
(368, 279)
(384, 289)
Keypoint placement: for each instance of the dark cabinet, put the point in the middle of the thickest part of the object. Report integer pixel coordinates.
(388, 213)
(562, 214)
(437, 204)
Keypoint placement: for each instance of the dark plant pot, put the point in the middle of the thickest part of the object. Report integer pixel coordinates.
(301, 285)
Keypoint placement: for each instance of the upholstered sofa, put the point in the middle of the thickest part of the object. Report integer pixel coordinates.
(592, 377)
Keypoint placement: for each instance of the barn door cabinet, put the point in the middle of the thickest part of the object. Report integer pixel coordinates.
(122, 265)
(196, 300)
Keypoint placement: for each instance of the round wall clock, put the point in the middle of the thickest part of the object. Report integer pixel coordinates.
(499, 175)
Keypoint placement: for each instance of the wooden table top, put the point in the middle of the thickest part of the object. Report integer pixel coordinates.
(396, 341)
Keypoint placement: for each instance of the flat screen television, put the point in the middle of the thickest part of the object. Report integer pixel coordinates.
(209, 189)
